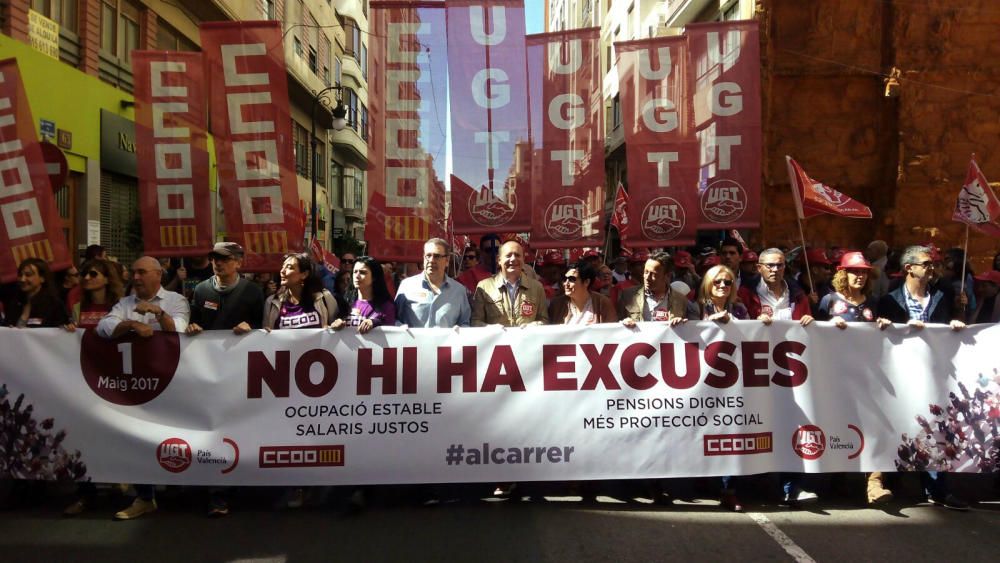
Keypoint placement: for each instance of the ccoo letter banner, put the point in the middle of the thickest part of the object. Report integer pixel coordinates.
(172, 153)
(248, 87)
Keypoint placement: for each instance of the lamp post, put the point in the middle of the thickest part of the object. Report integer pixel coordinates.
(339, 113)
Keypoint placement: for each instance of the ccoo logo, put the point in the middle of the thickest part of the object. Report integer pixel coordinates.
(663, 219)
(809, 442)
(723, 201)
(174, 455)
(564, 218)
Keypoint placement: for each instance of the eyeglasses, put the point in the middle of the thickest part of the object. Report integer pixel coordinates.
(772, 266)
(571, 279)
(347, 260)
(469, 257)
(92, 274)
(435, 256)
(720, 283)
(925, 264)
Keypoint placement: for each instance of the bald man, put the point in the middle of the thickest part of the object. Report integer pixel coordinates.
(510, 298)
(149, 308)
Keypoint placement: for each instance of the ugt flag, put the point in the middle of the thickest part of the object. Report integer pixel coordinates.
(813, 198)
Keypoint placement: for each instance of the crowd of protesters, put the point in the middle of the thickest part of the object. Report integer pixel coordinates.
(503, 283)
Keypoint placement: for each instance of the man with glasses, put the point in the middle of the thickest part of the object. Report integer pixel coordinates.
(473, 271)
(432, 298)
(147, 309)
(916, 302)
(773, 298)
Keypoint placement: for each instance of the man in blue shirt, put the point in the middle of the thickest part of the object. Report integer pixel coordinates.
(431, 298)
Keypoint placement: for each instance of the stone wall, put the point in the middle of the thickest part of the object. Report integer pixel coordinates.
(825, 65)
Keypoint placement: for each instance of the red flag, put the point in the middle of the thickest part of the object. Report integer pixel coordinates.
(567, 142)
(29, 220)
(489, 120)
(406, 194)
(248, 87)
(813, 198)
(619, 218)
(172, 152)
(657, 115)
(320, 254)
(977, 205)
(726, 60)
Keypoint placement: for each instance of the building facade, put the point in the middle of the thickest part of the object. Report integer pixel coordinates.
(80, 91)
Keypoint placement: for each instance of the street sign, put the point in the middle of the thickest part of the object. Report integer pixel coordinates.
(48, 128)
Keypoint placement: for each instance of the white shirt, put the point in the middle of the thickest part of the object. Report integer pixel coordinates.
(779, 305)
(173, 304)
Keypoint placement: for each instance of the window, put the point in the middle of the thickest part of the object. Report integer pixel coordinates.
(364, 122)
(353, 37)
(732, 12)
(336, 71)
(364, 61)
(63, 12)
(352, 103)
(297, 47)
(354, 188)
(313, 63)
(169, 39)
(320, 159)
(300, 141)
(616, 111)
(119, 28)
(269, 10)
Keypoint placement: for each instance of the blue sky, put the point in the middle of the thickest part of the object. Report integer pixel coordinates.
(534, 14)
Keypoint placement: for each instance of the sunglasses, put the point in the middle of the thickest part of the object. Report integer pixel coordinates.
(925, 264)
(92, 274)
(720, 283)
(347, 261)
(571, 279)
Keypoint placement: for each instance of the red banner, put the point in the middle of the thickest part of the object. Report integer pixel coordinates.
(28, 215)
(491, 154)
(407, 102)
(661, 148)
(726, 60)
(567, 142)
(172, 153)
(248, 86)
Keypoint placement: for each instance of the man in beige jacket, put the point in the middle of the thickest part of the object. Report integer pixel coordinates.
(509, 298)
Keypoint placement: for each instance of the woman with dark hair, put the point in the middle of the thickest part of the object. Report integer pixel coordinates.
(37, 304)
(578, 305)
(369, 299)
(102, 288)
(301, 301)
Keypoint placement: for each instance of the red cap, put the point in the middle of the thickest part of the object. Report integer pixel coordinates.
(989, 276)
(817, 256)
(575, 254)
(936, 255)
(749, 256)
(591, 254)
(639, 256)
(682, 259)
(554, 257)
(713, 260)
(854, 261)
(529, 256)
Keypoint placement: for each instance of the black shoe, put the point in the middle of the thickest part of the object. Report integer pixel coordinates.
(949, 501)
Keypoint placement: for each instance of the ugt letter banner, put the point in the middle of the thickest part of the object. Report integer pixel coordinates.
(248, 88)
(397, 405)
(726, 58)
(490, 190)
(28, 211)
(408, 113)
(660, 145)
(564, 77)
(172, 151)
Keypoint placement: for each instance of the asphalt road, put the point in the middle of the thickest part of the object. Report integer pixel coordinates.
(553, 528)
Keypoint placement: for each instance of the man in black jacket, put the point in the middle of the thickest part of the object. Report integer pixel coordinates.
(225, 301)
(917, 303)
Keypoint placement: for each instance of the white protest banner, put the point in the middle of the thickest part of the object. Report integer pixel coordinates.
(400, 405)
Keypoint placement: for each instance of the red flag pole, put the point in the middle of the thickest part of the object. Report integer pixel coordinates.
(795, 181)
(965, 258)
(805, 256)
